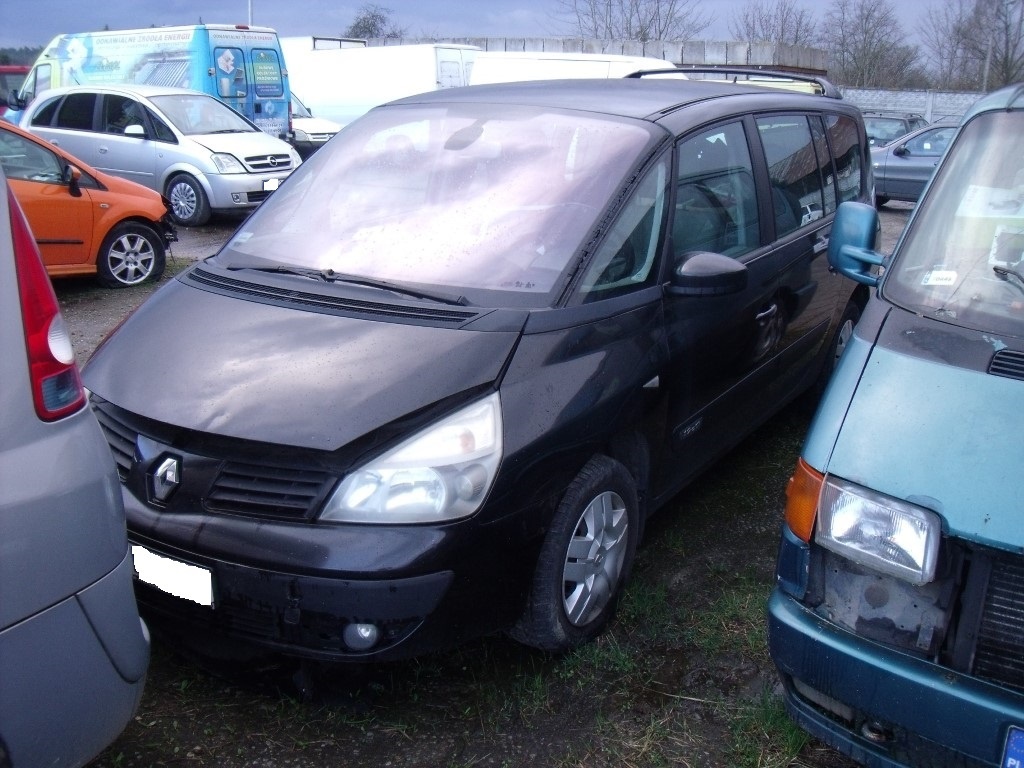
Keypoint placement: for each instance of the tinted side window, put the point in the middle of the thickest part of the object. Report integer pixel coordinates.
(45, 114)
(844, 138)
(76, 111)
(716, 201)
(119, 112)
(825, 164)
(161, 131)
(793, 171)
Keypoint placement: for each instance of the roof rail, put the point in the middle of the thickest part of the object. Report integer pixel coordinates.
(771, 78)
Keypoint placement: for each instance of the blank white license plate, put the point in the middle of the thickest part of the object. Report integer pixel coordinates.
(174, 577)
(269, 185)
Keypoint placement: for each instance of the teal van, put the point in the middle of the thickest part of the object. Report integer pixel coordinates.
(238, 64)
(897, 621)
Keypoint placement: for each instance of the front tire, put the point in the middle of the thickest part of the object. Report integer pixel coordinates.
(131, 254)
(584, 561)
(840, 339)
(189, 205)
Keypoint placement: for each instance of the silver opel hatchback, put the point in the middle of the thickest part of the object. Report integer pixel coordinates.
(199, 153)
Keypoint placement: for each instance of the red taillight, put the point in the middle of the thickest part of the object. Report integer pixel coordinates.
(56, 386)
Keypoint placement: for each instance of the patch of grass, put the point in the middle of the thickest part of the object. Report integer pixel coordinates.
(764, 736)
(735, 620)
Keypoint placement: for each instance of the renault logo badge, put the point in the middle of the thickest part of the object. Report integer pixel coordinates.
(164, 479)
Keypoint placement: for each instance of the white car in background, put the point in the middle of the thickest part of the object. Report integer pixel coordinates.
(310, 133)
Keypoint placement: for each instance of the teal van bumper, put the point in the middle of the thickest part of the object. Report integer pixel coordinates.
(882, 707)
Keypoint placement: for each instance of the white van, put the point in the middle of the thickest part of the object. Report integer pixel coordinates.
(512, 66)
(342, 83)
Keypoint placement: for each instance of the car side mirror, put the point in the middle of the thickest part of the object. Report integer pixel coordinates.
(71, 176)
(901, 151)
(701, 273)
(852, 241)
(135, 130)
(15, 100)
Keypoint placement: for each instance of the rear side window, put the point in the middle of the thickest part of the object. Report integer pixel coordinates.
(76, 111)
(844, 138)
(793, 169)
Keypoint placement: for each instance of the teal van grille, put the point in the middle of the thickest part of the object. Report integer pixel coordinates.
(1008, 363)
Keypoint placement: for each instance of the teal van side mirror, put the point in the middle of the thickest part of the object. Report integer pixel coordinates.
(851, 243)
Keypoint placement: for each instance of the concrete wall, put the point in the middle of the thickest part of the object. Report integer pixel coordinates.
(689, 52)
(934, 105)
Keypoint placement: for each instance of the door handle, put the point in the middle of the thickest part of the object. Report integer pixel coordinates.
(820, 245)
(103, 150)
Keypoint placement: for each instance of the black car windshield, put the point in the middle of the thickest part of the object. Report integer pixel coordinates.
(459, 198)
(962, 259)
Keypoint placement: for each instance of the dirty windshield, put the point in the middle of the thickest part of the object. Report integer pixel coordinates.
(962, 261)
(466, 198)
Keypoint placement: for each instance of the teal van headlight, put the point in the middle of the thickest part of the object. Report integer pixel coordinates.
(878, 531)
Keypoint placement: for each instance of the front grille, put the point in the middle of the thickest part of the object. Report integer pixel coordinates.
(260, 163)
(999, 652)
(225, 484)
(121, 439)
(261, 490)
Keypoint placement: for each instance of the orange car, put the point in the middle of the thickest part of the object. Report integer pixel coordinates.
(85, 221)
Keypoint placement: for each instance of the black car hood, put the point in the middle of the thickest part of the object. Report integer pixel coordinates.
(280, 374)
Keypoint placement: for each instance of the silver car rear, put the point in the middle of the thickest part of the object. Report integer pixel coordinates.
(73, 651)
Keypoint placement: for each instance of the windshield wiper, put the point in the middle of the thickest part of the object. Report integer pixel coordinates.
(388, 285)
(1008, 272)
(330, 276)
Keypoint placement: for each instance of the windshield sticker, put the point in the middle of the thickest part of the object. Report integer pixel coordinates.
(939, 278)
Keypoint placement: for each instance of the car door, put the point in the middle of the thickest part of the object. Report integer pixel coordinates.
(133, 157)
(61, 221)
(720, 347)
(912, 163)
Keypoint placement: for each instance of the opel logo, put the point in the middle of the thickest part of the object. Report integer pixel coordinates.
(273, 161)
(164, 479)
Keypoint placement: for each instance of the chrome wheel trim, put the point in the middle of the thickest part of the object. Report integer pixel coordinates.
(594, 558)
(131, 259)
(183, 200)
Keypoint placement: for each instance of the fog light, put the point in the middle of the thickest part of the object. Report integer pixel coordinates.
(361, 637)
(236, 198)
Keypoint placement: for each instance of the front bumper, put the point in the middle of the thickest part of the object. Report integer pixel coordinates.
(916, 712)
(242, 190)
(302, 589)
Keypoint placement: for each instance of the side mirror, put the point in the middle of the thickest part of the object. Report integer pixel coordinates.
(15, 100)
(901, 151)
(135, 130)
(852, 241)
(71, 176)
(701, 273)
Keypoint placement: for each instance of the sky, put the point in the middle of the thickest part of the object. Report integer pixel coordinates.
(35, 22)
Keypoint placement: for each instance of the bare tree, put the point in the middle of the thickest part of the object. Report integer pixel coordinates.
(995, 38)
(374, 21)
(641, 20)
(774, 21)
(867, 47)
(945, 32)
